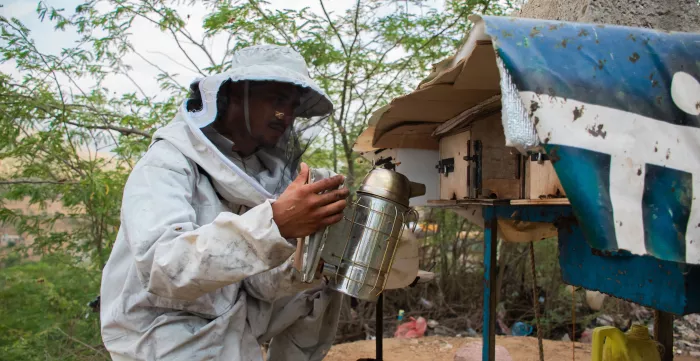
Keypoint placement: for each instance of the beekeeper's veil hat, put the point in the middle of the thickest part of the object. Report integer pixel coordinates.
(263, 63)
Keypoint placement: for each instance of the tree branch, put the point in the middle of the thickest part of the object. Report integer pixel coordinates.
(330, 22)
(282, 32)
(407, 61)
(82, 343)
(187, 35)
(122, 130)
(37, 182)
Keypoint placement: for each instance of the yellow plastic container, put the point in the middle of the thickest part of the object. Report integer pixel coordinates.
(611, 344)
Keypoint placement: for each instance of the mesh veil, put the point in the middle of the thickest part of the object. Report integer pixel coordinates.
(281, 162)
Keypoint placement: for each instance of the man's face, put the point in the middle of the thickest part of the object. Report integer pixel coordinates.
(271, 107)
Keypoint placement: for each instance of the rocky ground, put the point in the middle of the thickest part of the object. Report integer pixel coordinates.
(437, 348)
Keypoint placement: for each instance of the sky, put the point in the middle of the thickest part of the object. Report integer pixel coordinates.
(147, 39)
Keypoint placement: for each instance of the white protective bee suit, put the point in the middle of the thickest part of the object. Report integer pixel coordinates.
(199, 270)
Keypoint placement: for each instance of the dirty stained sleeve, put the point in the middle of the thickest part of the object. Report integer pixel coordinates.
(279, 282)
(177, 258)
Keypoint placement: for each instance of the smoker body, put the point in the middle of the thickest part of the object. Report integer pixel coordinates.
(358, 251)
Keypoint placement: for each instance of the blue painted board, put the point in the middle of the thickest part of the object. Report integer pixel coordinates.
(663, 285)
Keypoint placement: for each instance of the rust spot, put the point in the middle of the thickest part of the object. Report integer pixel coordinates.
(597, 41)
(651, 76)
(656, 147)
(546, 140)
(535, 31)
(668, 153)
(564, 42)
(506, 34)
(697, 105)
(583, 32)
(554, 154)
(654, 83)
(533, 107)
(578, 113)
(597, 131)
(634, 57)
(553, 27)
(658, 100)
(178, 229)
(579, 47)
(639, 171)
(601, 63)
(537, 120)
(632, 37)
(698, 225)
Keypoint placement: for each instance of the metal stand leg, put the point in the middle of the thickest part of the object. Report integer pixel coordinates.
(663, 333)
(490, 284)
(380, 326)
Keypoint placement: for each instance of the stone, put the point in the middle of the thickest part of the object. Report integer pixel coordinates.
(677, 15)
(472, 352)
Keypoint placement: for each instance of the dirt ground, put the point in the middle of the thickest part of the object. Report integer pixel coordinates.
(435, 348)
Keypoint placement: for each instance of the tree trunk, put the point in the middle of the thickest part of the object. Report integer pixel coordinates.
(335, 147)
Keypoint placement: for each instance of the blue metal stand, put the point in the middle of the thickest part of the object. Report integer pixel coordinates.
(492, 212)
(490, 247)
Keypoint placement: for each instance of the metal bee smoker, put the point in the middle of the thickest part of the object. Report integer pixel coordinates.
(358, 251)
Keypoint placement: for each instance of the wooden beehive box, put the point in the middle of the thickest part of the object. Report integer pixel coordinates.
(475, 164)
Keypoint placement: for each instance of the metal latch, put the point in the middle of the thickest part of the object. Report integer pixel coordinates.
(538, 157)
(477, 173)
(446, 166)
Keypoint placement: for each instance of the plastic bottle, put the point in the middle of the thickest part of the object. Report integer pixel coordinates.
(611, 344)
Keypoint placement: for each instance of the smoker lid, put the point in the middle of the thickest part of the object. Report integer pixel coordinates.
(391, 185)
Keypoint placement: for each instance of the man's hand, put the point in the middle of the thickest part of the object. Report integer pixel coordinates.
(301, 210)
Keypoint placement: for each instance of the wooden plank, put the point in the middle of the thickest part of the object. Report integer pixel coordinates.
(442, 202)
(540, 202)
(454, 185)
(467, 202)
(460, 122)
(663, 333)
(411, 135)
(541, 180)
(501, 188)
(500, 165)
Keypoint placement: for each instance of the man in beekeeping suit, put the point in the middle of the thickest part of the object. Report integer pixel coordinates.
(202, 268)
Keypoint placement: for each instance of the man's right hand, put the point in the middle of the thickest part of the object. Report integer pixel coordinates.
(301, 210)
